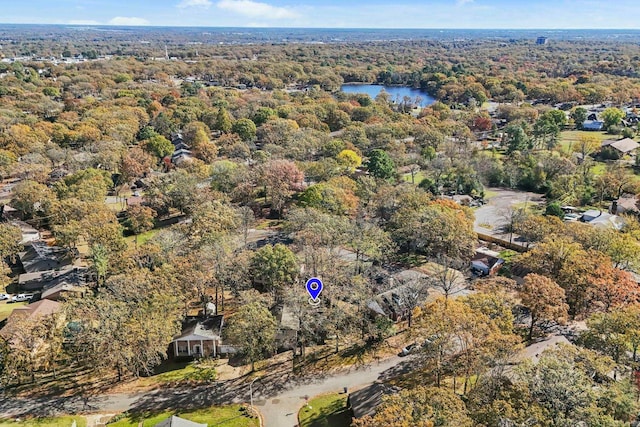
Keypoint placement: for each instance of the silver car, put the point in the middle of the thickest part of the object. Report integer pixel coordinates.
(22, 297)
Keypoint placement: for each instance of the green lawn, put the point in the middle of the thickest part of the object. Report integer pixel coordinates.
(48, 422)
(419, 176)
(6, 308)
(599, 169)
(569, 137)
(326, 411)
(489, 194)
(203, 371)
(218, 416)
(143, 237)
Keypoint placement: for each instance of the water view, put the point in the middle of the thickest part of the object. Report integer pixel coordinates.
(397, 93)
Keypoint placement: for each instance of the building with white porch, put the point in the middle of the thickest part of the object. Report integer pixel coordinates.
(199, 338)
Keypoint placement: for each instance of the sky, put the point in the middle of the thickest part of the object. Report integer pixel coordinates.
(512, 14)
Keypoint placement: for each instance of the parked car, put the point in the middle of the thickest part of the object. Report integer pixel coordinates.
(22, 297)
(572, 217)
(409, 349)
(4, 297)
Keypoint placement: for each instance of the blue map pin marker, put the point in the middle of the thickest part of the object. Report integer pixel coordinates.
(314, 287)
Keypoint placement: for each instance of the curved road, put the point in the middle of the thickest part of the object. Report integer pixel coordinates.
(282, 409)
(277, 396)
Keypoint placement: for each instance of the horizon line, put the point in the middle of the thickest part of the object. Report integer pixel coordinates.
(89, 25)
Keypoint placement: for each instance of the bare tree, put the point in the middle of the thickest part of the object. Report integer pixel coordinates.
(412, 293)
(447, 276)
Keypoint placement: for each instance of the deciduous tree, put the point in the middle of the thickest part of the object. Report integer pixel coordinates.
(253, 330)
(419, 407)
(544, 299)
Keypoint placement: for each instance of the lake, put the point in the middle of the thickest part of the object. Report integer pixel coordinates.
(397, 92)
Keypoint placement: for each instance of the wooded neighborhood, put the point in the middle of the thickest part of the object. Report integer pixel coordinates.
(161, 215)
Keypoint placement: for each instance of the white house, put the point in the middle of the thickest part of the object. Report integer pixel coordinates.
(199, 338)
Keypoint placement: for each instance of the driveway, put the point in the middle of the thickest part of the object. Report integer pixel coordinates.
(494, 217)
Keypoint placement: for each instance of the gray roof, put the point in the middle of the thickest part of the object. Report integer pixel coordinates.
(286, 318)
(209, 328)
(176, 421)
(69, 275)
(38, 256)
(626, 145)
(393, 301)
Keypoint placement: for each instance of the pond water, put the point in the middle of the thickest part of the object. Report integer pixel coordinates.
(397, 93)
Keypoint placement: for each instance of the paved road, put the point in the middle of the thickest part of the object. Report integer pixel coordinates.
(281, 410)
(278, 397)
(493, 218)
(496, 212)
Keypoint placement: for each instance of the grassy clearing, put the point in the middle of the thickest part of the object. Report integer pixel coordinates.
(218, 416)
(419, 176)
(7, 308)
(569, 138)
(143, 237)
(325, 411)
(269, 224)
(599, 169)
(488, 194)
(48, 422)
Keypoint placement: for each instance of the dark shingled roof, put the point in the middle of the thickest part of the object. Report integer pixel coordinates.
(38, 256)
(210, 328)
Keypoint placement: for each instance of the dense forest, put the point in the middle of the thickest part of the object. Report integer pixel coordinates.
(231, 174)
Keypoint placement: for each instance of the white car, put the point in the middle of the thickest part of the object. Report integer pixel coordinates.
(4, 296)
(22, 297)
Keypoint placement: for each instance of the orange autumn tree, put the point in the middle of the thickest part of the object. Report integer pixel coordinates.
(545, 300)
(611, 287)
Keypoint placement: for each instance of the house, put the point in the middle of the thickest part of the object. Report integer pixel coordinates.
(176, 421)
(134, 201)
(38, 256)
(199, 337)
(175, 137)
(68, 275)
(593, 125)
(622, 146)
(180, 145)
(288, 327)
(599, 218)
(625, 204)
(541, 40)
(486, 262)
(180, 156)
(397, 303)
(37, 310)
(365, 401)
(29, 234)
(62, 291)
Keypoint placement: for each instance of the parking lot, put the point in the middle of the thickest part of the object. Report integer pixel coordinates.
(494, 216)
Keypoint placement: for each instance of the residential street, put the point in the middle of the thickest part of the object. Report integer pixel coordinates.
(281, 409)
(278, 397)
